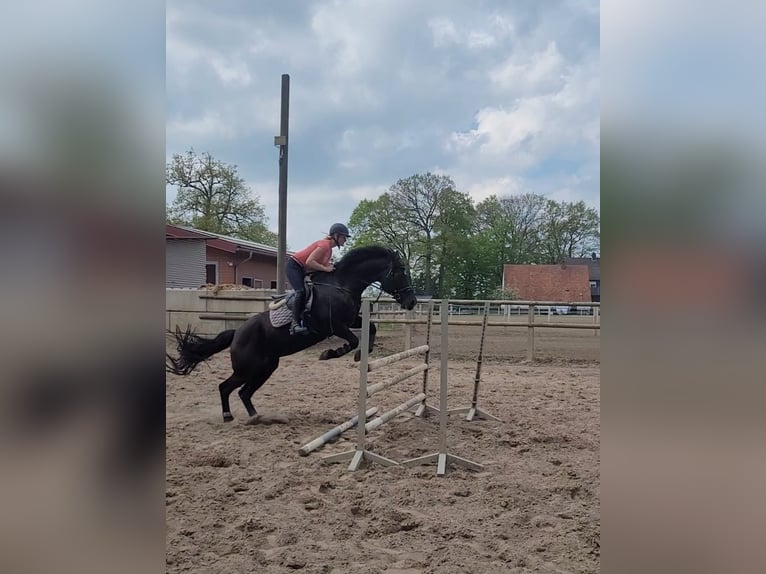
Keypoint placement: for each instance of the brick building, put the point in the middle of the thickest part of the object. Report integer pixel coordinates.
(594, 273)
(560, 283)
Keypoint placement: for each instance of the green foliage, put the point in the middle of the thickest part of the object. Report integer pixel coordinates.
(213, 197)
(457, 249)
(505, 294)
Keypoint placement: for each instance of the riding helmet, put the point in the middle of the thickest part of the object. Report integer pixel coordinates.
(340, 229)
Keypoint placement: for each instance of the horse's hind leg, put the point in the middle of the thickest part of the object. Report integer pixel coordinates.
(255, 382)
(225, 388)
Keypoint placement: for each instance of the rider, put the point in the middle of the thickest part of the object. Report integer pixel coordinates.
(315, 257)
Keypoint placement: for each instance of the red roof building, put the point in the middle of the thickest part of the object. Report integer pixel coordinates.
(559, 283)
(194, 257)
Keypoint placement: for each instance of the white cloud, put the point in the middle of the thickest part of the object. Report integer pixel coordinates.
(208, 125)
(354, 37)
(500, 132)
(443, 32)
(478, 40)
(231, 71)
(488, 34)
(498, 98)
(484, 188)
(556, 113)
(530, 73)
(186, 57)
(581, 85)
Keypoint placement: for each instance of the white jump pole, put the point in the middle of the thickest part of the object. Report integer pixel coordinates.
(442, 457)
(360, 453)
(377, 387)
(331, 434)
(385, 417)
(375, 365)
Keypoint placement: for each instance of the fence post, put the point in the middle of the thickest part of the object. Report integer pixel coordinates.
(408, 331)
(595, 321)
(531, 334)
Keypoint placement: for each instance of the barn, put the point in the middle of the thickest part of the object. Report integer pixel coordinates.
(194, 257)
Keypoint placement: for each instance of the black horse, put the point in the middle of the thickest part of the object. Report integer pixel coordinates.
(257, 345)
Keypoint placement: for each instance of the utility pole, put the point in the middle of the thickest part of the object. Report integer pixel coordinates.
(281, 142)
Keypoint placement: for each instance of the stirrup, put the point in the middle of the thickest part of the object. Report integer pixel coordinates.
(298, 328)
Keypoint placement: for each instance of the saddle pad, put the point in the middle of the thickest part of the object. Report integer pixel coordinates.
(281, 316)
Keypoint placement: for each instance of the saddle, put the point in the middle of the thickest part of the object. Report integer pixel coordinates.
(288, 297)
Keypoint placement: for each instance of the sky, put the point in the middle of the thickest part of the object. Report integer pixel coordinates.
(502, 96)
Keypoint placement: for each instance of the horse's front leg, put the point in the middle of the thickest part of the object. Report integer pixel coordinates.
(352, 342)
(373, 330)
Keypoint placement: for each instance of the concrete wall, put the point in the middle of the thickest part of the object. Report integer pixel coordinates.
(209, 311)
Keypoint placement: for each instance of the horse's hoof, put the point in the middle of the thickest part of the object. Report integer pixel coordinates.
(227, 417)
(328, 354)
(357, 356)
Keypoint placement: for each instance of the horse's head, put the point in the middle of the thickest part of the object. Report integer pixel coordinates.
(398, 284)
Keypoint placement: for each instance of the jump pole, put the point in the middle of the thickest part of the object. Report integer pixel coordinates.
(360, 453)
(426, 409)
(331, 434)
(474, 410)
(442, 457)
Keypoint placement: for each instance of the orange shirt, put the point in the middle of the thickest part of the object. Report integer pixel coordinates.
(325, 245)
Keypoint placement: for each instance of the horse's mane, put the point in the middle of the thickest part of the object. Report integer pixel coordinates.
(360, 254)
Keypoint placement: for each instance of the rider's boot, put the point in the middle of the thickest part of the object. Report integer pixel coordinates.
(297, 327)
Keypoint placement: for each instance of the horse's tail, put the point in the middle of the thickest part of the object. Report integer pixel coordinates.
(193, 349)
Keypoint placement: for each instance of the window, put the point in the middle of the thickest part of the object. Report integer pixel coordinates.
(211, 273)
(247, 281)
(273, 284)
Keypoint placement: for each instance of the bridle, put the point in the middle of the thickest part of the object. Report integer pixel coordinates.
(396, 293)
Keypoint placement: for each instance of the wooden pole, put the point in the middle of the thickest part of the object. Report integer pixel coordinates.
(474, 410)
(442, 457)
(281, 141)
(373, 365)
(385, 417)
(531, 334)
(331, 434)
(377, 387)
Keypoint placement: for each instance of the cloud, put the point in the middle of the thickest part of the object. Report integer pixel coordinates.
(232, 71)
(540, 126)
(443, 32)
(209, 125)
(521, 72)
(503, 98)
(499, 186)
(500, 133)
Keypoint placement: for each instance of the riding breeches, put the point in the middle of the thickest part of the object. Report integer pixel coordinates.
(295, 275)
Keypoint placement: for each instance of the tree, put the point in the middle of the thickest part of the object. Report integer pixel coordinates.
(509, 231)
(570, 230)
(453, 248)
(417, 201)
(213, 197)
(375, 221)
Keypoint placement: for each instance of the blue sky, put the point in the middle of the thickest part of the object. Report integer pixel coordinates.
(503, 96)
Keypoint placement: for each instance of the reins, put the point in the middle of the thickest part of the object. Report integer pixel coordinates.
(379, 283)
